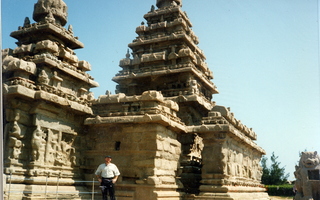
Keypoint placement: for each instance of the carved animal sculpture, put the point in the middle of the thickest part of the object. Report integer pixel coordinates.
(307, 188)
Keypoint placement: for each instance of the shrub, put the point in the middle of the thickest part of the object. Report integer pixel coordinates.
(280, 190)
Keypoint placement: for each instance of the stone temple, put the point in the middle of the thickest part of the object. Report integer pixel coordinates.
(166, 135)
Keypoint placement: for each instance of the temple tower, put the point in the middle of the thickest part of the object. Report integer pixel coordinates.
(218, 151)
(166, 58)
(46, 99)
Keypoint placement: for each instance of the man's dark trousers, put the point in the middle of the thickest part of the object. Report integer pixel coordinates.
(107, 187)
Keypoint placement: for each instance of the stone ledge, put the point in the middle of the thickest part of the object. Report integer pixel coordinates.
(216, 128)
(62, 101)
(19, 90)
(155, 118)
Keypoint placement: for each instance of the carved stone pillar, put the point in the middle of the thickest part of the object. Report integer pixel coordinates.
(214, 163)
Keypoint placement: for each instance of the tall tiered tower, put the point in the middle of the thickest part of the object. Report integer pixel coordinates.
(46, 99)
(179, 143)
(166, 58)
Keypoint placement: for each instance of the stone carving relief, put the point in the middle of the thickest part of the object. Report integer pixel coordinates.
(136, 59)
(308, 177)
(43, 78)
(173, 55)
(186, 52)
(56, 80)
(47, 45)
(50, 18)
(241, 164)
(84, 65)
(194, 87)
(16, 133)
(24, 49)
(38, 144)
(15, 146)
(10, 63)
(65, 153)
(90, 96)
(51, 147)
(68, 55)
(150, 57)
(196, 147)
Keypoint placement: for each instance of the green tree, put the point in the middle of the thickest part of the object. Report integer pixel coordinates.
(265, 170)
(273, 175)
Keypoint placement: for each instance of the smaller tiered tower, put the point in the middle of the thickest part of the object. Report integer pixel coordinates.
(46, 98)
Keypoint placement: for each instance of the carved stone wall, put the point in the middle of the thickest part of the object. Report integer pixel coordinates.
(46, 98)
(142, 140)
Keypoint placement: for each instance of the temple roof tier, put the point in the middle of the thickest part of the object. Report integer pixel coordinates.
(169, 11)
(66, 68)
(41, 31)
(209, 85)
(173, 38)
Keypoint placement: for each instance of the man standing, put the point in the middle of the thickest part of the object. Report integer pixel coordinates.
(107, 174)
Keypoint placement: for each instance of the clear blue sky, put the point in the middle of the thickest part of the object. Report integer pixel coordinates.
(264, 55)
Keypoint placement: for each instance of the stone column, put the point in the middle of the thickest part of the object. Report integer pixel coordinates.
(214, 163)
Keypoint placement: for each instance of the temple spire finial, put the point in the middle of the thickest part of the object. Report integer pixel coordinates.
(56, 10)
(165, 3)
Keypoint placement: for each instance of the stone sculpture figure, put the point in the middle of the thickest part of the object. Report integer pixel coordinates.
(51, 147)
(65, 155)
(15, 135)
(43, 77)
(15, 130)
(26, 22)
(307, 177)
(194, 89)
(49, 18)
(90, 96)
(38, 144)
(15, 148)
(70, 28)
